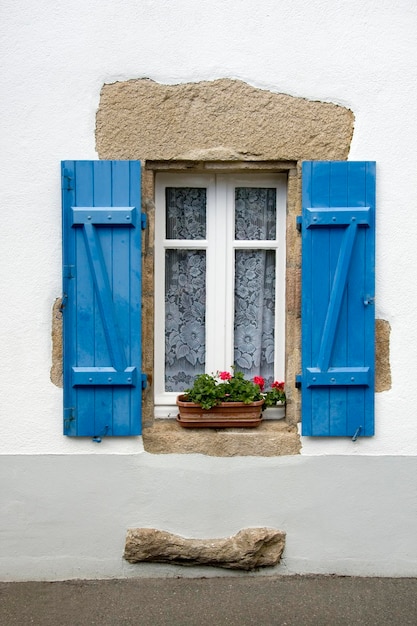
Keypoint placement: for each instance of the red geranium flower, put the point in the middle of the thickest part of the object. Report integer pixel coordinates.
(258, 380)
(277, 385)
(225, 375)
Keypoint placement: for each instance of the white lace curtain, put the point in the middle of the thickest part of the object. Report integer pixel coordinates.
(185, 280)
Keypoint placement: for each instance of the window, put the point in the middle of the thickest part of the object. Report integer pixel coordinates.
(219, 274)
(219, 278)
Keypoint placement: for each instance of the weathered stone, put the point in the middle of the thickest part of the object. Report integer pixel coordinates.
(56, 368)
(270, 438)
(382, 362)
(248, 549)
(224, 120)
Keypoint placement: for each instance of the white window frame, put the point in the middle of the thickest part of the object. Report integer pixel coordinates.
(220, 269)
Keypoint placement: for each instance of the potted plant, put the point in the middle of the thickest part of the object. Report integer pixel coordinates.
(226, 399)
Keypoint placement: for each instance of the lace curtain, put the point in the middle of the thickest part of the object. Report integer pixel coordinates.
(185, 288)
(255, 313)
(254, 323)
(185, 280)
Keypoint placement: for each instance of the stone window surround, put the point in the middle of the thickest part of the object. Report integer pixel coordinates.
(151, 168)
(222, 126)
(162, 436)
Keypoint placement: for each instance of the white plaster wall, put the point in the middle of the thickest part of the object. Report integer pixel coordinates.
(56, 56)
(65, 514)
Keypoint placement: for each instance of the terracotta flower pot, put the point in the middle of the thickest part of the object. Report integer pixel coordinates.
(226, 414)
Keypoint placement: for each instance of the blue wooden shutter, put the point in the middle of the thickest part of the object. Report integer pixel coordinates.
(338, 313)
(102, 298)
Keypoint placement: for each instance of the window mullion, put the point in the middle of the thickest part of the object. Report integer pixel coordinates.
(230, 269)
(216, 278)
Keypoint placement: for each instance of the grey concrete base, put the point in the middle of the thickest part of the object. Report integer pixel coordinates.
(290, 600)
(66, 517)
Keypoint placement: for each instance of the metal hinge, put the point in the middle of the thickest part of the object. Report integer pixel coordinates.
(64, 301)
(143, 220)
(298, 381)
(298, 223)
(69, 417)
(67, 274)
(68, 271)
(66, 183)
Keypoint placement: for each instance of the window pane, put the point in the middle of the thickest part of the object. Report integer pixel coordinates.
(255, 213)
(255, 313)
(185, 213)
(185, 317)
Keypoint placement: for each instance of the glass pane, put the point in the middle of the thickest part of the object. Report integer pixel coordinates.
(185, 212)
(254, 322)
(255, 213)
(185, 317)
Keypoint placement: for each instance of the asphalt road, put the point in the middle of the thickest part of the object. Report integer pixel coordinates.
(240, 601)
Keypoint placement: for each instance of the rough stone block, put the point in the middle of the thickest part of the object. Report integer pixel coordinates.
(382, 355)
(271, 438)
(221, 120)
(248, 549)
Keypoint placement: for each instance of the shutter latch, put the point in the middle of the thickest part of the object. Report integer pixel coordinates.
(369, 300)
(97, 438)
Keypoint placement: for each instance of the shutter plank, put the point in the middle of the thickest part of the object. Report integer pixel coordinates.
(83, 303)
(99, 249)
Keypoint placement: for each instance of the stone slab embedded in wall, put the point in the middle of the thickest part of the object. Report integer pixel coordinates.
(248, 549)
(221, 120)
(382, 352)
(56, 368)
(271, 438)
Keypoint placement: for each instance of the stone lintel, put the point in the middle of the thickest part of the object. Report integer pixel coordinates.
(226, 120)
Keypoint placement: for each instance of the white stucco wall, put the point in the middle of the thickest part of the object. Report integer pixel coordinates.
(56, 57)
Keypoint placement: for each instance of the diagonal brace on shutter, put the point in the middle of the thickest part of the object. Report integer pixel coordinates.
(336, 297)
(103, 293)
(349, 219)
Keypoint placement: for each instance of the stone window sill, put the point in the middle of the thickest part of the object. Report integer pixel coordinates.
(270, 438)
